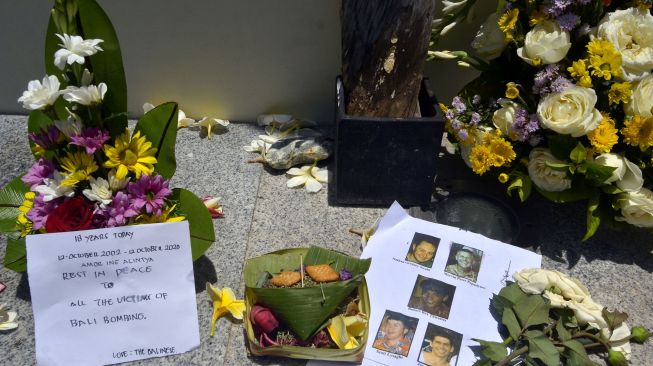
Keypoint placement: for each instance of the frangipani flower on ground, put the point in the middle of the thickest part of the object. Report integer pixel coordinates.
(309, 176)
(210, 124)
(224, 301)
(40, 95)
(7, 319)
(214, 206)
(74, 49)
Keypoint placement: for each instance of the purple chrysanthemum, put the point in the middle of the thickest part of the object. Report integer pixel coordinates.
(549, 80)
(555, 8)
(43, 168)
(46, 137)
(90, 138)
(476, 99)
(525, 124)
(475, 119)
(117, 212)
(450, 115)
(149, 192)
(456, 124)
(458, 104)
(38, 214)
(568, 21)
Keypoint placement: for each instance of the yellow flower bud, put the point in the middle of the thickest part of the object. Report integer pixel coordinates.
(503, 178)
(512, 91)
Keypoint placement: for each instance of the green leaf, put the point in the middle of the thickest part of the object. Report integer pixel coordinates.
(597, 173)
(567, 318)
(561, 145)
(593, 219)
(522, 183)
(541, 347)
(199, 220)
(495, 351)
(509, 319)
(532, 311)
(578, 154)
(160, 127)
(614, 318)
(576, 354)
(16, 254)
(563, 332)
(304, 310)
(557, 166)
(610, 189)
(11, 197)
(106, 65)
(499, 303)
(513, 293)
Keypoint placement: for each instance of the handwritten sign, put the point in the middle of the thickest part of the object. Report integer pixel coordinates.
(112, 295)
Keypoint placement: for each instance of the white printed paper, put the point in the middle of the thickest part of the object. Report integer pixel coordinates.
(440, 291)
(112, 295)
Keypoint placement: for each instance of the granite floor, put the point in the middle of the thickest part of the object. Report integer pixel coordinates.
(262, 215)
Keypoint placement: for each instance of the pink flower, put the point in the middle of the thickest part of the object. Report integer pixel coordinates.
(263, 319)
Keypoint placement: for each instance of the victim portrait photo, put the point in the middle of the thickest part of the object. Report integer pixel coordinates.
(395, 333)
(440, 346)
(464, 262)
(432, 296)
(422, 249)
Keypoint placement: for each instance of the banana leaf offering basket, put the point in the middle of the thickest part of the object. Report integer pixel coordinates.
(305, 310)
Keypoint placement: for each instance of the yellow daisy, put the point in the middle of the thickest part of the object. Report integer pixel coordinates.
(605, 61)
(134, 154)
(165, 217)
(79, 165)
(620, 93)
(508, 21)
(604, 137)
(578, 70)
(638, 131)
(493, 151)
(22, 222)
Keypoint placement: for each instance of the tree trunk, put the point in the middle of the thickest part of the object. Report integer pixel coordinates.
(384, 44)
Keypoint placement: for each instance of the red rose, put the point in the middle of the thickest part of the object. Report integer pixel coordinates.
(74, 214)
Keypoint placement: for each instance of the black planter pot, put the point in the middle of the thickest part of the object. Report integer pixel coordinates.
(380, 160)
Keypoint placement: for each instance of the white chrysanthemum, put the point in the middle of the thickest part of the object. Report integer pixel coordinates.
(52, 188)
(309, 176)
(75, 48)
(86, 95)
(41, 94)
(100, 191)
(71, 126)
(210, 124)
(117, 184)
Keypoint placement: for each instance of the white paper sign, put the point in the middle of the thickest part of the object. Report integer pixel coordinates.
(112, 295)
(440, 291)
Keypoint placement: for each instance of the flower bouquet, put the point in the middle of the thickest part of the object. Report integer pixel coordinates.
(562, 104)
(90, 170)
(550, 317)
(309, 303)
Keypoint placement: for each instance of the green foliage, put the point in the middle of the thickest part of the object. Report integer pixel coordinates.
(522, 184)
(540, 335)
(614, 318)
(11, 197)
(199, 220)
(561, 146)
(16, 254)
(593, 219)
(160, 127)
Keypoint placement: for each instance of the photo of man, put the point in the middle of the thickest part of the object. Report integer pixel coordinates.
(440, 346)
(433, 296)
(464, 262)
(395, 333)
(422, 249)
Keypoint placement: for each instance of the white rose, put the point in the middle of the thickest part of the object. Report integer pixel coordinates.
(631, 33)
(537, 281)
(546, 43)
(620, 333)
(636, 207)
(504, 118)
(570, 112)
(490, 40)
(588, 312)
(641, 101)
(543, 176)
(627, 176)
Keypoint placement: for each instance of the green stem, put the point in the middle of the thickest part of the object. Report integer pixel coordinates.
(593, 337)
(516, 353)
